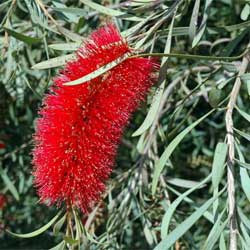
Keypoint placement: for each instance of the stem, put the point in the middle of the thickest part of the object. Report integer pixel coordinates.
(231, 155)
(194, 57)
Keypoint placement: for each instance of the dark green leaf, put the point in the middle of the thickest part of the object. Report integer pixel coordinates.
(21, 37)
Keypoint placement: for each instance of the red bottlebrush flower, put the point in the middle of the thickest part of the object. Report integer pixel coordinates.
(2, 145)
(80, 126)
(3, 201)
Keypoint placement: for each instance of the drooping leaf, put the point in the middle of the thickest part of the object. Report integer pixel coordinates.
(38, 231)
(244, 114)
(194, 20)
(218, 163)
(153, 110)
(170, 148)
(171, 209)
(60, 246)
(57, 227)
(24, 38)
(244, 176)
(184, 226)
(215, 232)
(54, 62)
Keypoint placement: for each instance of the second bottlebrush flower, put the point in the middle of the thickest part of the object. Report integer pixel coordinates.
(81, 126)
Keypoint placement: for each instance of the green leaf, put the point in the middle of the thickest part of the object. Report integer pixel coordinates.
(214, 96)
(54, 62)
(21, 37)
(248, 87)
(62, 10)
(215, 232)
(220, 155)
(4, 5)
(245, 12)
(245, 234)
(243, 114)
(99, 71)
(243, 164)
(70, 241)
(170, 148)
(194, 20)
(245, 77)
(57, 227)
(202, 27)
(69, 34)
(243, 134)
(244, 177)
(238, 26)
(182, 228)
(137, 27)
(230, 47)
(60, 246)
(243, 217)
(153, 110)
(171, 209)
(38, 231)
(65, 46)
(68, 10)
(9, 184)
(222, 243)
(148, 235)
(110, 12)
(182, 183)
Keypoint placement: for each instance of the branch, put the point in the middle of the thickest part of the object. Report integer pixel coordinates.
(231, 154)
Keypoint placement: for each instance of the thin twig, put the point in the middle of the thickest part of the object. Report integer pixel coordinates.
(194, 57)
(165, 97)
(231, 154)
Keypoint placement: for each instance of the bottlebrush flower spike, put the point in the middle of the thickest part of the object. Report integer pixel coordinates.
(80, 126)
(3, 201)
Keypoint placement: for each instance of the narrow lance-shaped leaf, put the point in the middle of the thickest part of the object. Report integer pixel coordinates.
(182, 228)
(60, 246)
(21, 37)
(246, 79)
(99, 71)
(65, 46)
(171, 209)
(159, 92)
(215, 232)
(54, 62)
(203, 23)
(170, 148)
(243, 114)
(243, 134)
(218, 163)
(57, 227)
(194, 20)
(38, 231)
(244, 176)
(222, 243)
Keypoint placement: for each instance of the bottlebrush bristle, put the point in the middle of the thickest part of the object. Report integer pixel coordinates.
(80, 126)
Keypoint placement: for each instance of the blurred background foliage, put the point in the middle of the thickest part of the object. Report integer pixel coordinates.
(158, 181)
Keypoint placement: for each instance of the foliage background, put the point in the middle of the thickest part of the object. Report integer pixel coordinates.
(130, 216)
